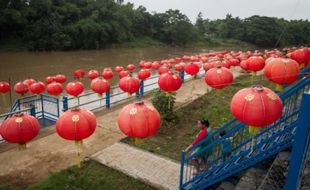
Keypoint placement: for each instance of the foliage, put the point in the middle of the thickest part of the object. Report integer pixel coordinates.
(259, 30)
(92, 175)
(164, 103)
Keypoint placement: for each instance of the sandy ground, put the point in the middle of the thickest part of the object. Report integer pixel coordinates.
(50, 153)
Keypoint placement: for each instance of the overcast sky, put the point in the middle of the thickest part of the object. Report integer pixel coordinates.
(212, 9)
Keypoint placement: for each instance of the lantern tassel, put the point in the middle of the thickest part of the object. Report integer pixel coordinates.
(78, 144)
(218, 92)
(168, 94)
(253, 131)
(129, 95)
(253, 76)
(22, 146)
(139, 141)
(302, 65)
(279, 88)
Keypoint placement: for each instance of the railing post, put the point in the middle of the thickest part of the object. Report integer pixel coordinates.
(182, 75)
(58, 112)
(182, 169)
(141, 87)
(107, 100)
(300, 145)
(33, 110)
(18, 104)
(65, 103)
(42, 105)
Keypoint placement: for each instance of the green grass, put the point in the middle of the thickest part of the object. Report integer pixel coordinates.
(92, 176)
(215, 106)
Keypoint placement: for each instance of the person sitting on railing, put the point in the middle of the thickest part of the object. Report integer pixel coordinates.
(226, 146)
(200, 162)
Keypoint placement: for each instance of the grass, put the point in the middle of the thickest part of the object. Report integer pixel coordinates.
(169, 141)
(92, 176)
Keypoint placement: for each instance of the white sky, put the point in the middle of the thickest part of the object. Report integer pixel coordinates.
(213, 9)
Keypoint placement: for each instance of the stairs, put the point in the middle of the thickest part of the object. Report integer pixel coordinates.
(247, 151)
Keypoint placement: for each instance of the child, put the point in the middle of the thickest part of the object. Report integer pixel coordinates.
(226, 146)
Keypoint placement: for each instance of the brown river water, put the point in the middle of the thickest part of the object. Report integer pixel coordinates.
(17, 66)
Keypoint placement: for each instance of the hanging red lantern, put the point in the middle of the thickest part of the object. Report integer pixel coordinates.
(76, 124)
(123, 74)
(60, 78)
(155, 65)
(169, 82)
(21, 88)
(302, 56)
(29, 82)
(186, 58)
(207, 66)
(141, 64)
(244, 65)
(177, 60)
(191, 69)
(130, 67)
(54, 88)
(107, 73)
(147, 65)
(129, 84)
(282, 71)
(255, 63)
(100, 85)
(179, 67)
(226, 63)
(144, 74)
(50, 79)
(119, 69)
(4, 87)
(37, 87)
(92, 74)
(234, 62)
(75, 88)
(219, 77)
(20, 128)
(256, 106)
(163, 69)
(138, 120)
(204, 59)
(79, 74)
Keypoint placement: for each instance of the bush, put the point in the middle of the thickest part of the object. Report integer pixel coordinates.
(164, 103)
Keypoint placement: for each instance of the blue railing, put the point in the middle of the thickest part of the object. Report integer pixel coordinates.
(246, 148)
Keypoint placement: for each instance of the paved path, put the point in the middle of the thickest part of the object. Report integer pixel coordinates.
(158, 171)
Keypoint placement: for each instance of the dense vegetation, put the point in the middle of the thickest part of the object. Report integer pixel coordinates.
(93, 24)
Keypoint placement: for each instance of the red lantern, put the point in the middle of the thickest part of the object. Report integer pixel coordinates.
(29, 82)
(234, 62)
(163, 69)
(54, 88)
(244, 65)
(4, 87)
(219, 77)
(144, 74)
(21, 88)
(169, 82)
(207, 66)
(37, 87)
(226, 63)
(50, 79)
(20, 128)
(129, 84)
(107, 73)
(204, 59)
(147, 65)
(282, 71)
(123, 74)
(191, 69)
(186, 58)
(141, 64)
(130, 67)
(92, 74)
(179, 67)
(138, 120)
(100, 85)
(76, 124)
(256, 106)
(255, 63)
(155, 65)
(79, 74)
(75, 88)
(119, 69)
(60, 78)
(177, 60)
(302, 56)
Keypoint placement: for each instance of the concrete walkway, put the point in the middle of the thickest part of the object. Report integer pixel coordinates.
(156, 170)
